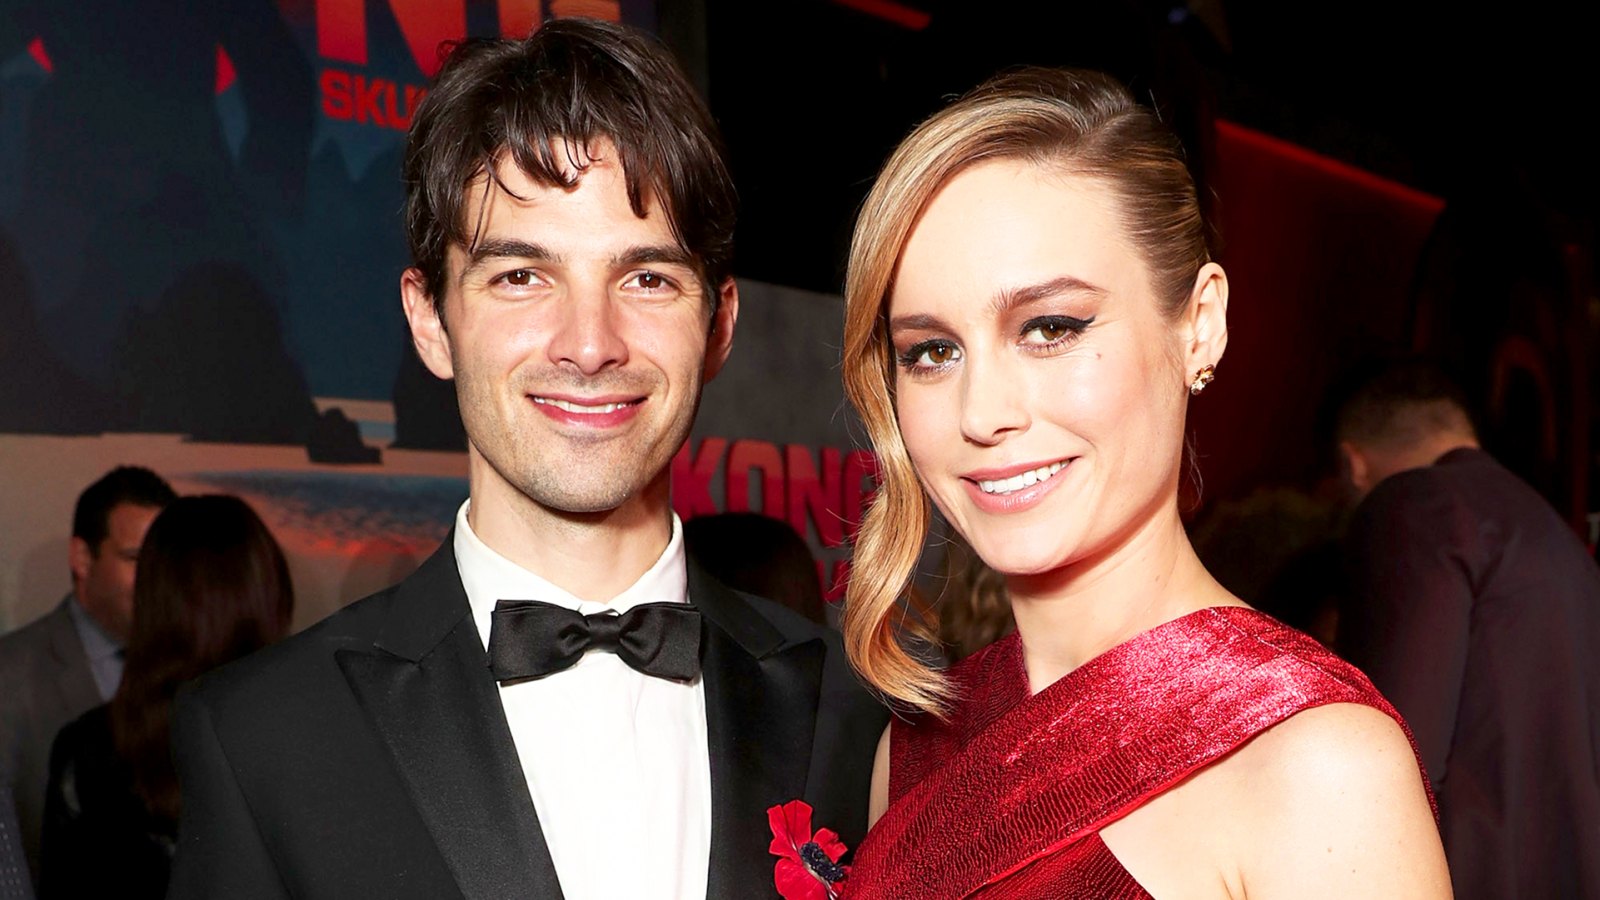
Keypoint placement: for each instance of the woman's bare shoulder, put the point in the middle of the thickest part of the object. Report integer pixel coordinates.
(1331, 801)
(1335, 741)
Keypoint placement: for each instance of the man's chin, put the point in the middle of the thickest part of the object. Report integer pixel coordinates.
(600, 501)
(584, 511)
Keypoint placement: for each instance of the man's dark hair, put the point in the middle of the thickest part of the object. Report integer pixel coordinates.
(91, 518)
(1402, 404)
(541, 102)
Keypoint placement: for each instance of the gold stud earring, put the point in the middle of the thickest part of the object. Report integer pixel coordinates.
(1206, 375)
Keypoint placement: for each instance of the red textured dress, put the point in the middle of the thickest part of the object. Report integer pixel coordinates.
(1007, 799)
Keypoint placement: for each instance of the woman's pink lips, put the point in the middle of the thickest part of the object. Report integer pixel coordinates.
(1016, 501)
(999, 474)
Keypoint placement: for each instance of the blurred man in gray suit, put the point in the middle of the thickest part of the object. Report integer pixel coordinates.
(69, 660)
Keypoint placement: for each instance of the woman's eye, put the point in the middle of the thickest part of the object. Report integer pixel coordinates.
(1053, 329)
(930, 355)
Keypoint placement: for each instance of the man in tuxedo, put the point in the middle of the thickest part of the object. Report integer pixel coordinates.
(1476, 611)
(558, 702)
(57, 667)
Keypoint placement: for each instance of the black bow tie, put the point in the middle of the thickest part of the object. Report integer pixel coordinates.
(531, 638)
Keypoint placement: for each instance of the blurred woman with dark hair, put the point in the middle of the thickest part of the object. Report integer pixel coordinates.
(212, 586)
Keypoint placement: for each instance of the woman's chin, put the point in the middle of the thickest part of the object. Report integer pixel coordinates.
(1020, 558)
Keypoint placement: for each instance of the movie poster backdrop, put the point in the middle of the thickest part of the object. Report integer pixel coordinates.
(200, 246)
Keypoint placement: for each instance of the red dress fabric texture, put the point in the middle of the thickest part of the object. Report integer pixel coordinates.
(1006, 800)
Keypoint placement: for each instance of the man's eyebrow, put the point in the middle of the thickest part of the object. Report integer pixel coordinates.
(1010, 298)
(660, 254)
(504, 248)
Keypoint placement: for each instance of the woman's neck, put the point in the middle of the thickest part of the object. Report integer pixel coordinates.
(1069, 616)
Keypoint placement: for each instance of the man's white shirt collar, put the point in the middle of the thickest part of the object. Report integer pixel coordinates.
(488, 577)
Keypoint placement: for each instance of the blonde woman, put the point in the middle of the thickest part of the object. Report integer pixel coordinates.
(1030, 307)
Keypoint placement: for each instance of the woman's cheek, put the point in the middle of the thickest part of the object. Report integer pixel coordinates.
(929, 431)
(917, 427)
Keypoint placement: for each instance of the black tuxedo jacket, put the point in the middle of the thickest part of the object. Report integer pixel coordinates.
(369, 756)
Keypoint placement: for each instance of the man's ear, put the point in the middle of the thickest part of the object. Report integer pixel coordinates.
(1206, 320)
(427, 330)
(1357, 467)
(722, 321)
(79, 556)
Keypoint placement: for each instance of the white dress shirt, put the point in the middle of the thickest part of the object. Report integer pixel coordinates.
(616, 760)
(103, 651)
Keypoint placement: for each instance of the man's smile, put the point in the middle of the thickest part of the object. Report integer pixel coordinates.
(593, 412)
(588, 407)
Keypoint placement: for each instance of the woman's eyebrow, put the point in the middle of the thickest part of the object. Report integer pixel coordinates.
(917, 322)
(1010, 298)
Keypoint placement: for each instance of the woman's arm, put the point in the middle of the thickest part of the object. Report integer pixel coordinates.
(878, 797)
(1338, 809)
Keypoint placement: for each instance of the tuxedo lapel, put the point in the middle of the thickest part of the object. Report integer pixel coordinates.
(761, 706)
(426, 688)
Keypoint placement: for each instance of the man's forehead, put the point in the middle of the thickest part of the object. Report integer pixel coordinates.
(128, 521)
(515, 207)
(570, 163)
(512, 187)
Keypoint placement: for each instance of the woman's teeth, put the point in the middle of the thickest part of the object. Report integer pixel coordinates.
(1018, 482)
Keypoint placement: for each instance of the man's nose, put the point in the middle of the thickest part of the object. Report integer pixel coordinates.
(588, 334)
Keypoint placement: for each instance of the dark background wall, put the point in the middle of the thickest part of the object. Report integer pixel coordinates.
(199, 243)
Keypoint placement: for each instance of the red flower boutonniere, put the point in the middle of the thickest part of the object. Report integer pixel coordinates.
(808, 864)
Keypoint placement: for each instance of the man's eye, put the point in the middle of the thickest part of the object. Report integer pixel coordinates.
(651, 281)
(519, 278)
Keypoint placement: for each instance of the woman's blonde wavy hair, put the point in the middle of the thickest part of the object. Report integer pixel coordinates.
(1079, 122)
